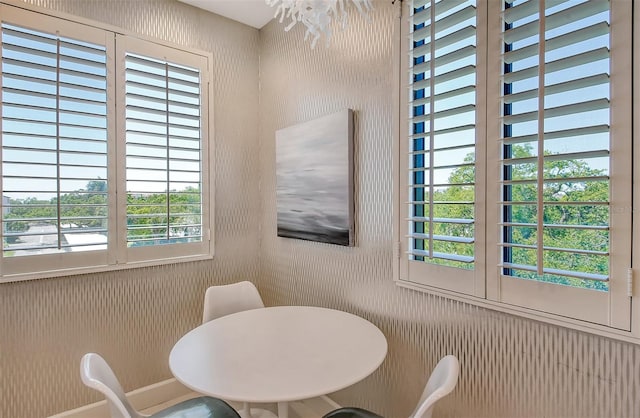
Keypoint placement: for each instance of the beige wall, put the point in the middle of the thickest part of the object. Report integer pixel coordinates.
(511, 367)
(134, 317)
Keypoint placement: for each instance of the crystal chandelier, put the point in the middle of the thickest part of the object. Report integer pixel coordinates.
(317, 15)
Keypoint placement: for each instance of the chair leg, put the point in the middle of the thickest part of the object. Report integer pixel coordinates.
(245, 412)
(283, 409)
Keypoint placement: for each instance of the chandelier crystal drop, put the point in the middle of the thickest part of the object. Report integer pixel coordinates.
(317, 15)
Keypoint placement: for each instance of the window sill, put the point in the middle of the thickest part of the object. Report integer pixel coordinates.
(101, 269)
(569, 323)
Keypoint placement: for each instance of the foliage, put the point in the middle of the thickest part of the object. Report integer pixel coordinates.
(564, 187)
(149, 217)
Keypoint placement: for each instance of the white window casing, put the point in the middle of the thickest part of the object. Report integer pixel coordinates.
(51, 83)
(553, 160)
(164, 146)
(634, 285)
(442, 216)
(564, 136)
(81, 193)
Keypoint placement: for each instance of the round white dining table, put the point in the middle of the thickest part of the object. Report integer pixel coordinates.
(278, 354)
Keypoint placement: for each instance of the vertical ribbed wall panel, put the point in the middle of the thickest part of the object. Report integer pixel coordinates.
(511, 367)
(134, 317)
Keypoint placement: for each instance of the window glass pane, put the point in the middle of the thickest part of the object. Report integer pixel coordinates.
(556, 142)
(54, 134)
(442, 128)
(164, 152)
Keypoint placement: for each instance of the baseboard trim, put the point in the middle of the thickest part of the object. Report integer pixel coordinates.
(141, 398)
(333, 404)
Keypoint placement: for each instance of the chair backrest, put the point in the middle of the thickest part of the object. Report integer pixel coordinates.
(442, 381)
(96, 374)
(231, 298)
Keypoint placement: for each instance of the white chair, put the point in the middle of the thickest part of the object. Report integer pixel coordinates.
(442, 381)
(96, 374)
(227, 299)
(231, 298)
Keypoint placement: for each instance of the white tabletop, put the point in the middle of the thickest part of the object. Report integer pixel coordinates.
(278, 354)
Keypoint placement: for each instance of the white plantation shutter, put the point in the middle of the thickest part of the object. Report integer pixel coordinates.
(443, 129)
(515, 155)
(54, 147)
(165, 150)
(104, 147)
(563, 154)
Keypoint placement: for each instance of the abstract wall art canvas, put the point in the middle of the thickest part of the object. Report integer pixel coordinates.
(314, 174)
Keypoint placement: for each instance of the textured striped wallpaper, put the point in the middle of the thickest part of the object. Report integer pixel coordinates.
(134, 317)
(511, 367)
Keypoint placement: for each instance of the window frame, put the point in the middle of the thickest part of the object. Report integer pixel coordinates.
(493, 107)
(15, 266)
(127, 44)
(464, 281)
(117, 256)
(611, 309)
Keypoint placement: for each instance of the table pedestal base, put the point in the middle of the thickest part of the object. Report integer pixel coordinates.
(247, 412)
(283, 409)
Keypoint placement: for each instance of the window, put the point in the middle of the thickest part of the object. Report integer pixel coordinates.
(562, 133)
(518, 168)
(442, 153)
(85, 187)
(164, 144)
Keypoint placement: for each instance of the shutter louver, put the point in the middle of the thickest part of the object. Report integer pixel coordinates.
(556, 142)
(54, 143)
(163, 152)
(442, 133)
